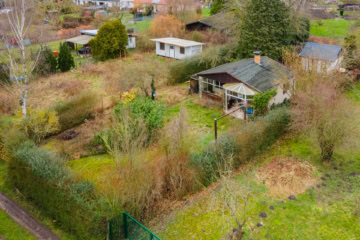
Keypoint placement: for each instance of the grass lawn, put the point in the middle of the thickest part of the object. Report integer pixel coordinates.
(354, 93)
(331, 210)
(10, 230)
(205, 12)
(332, 28)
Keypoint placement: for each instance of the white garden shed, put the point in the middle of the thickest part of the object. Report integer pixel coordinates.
(177, 48)
(131, 38)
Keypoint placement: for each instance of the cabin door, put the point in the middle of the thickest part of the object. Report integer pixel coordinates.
(172, 51)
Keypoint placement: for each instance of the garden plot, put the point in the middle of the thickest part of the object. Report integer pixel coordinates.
(328, 210)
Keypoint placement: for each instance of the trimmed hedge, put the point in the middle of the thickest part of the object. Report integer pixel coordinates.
(240, 146)
(42, 177)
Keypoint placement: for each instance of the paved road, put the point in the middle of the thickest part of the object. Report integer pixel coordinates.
(24, 219)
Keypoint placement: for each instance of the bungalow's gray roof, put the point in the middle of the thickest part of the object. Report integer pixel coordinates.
(258, 76)
(320, 51)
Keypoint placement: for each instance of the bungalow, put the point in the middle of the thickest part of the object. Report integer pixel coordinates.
(131, 37)
(235, 84)
(177, 48)
(219, 22)
(323, 57)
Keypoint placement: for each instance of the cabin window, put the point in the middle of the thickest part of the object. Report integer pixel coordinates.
(162, 46)
(182, 50)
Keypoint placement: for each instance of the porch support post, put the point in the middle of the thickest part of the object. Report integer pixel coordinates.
(200, 86)
(226, 101)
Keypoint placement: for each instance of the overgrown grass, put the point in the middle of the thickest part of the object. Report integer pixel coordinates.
(11, 230)
(332, 28)
(331, 210)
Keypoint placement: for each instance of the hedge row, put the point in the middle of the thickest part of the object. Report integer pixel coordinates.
(42, 177)
(241, 145)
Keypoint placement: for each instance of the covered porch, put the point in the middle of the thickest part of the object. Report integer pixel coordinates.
(237, 100)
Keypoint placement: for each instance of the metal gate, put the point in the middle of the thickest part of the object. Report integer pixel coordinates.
(127, 226)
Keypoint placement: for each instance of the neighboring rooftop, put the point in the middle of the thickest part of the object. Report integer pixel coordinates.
(177, 42)
(320, 51)
(215, 21)
(261, 77)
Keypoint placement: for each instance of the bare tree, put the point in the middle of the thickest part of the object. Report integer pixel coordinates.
(20, 63)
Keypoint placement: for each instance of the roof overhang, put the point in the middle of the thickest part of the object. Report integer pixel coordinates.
(240, 88)
(82, 39)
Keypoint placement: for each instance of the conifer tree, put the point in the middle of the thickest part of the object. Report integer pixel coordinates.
(265, 26)
(110, 42)
(217, 6)
(65, 59)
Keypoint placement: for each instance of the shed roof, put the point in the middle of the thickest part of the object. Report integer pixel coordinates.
(82, 39)
(320, 51)
(261, 77)
(94, 32)
(215, 21)
(177, 42)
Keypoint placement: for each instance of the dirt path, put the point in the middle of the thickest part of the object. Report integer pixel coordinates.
(24, 219)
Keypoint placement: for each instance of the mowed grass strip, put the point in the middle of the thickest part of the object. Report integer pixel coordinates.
(331, 28)
(10, 230)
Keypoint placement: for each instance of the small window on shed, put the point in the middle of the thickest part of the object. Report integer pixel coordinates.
(162, 46)
(182, 50)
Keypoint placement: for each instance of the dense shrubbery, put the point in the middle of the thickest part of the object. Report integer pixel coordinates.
(47, 63)
(41, 176)
(39, 124)
(241, 145)
(4, 73)
(181, 71)
(134, 125)
(76, 110)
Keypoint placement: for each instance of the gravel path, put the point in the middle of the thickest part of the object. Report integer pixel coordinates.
(24, 219)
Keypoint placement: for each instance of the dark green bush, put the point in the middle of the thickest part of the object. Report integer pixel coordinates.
(65, 59)
(151, 111)
(47, 63)
(4, 73)
(76, 110)
(241, 145)
(41, 176)
(215, 158)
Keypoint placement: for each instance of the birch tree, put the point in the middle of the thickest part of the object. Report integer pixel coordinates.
(20, 63)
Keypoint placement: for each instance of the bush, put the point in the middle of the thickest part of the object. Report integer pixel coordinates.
(41, 177)
(39, 124)
(47, 63)
(71, 22)
(76, 110)
(151, 111)
(261, 102)
(65, 59)
(110, 42)
(165, 26)
(241, 145)
(144, 44)
(4, 73)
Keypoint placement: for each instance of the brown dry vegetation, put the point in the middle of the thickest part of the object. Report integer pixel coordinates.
(287, 176)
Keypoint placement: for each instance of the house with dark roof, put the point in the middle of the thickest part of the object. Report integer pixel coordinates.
(321, 57)
(235, 84)
(219, 22)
